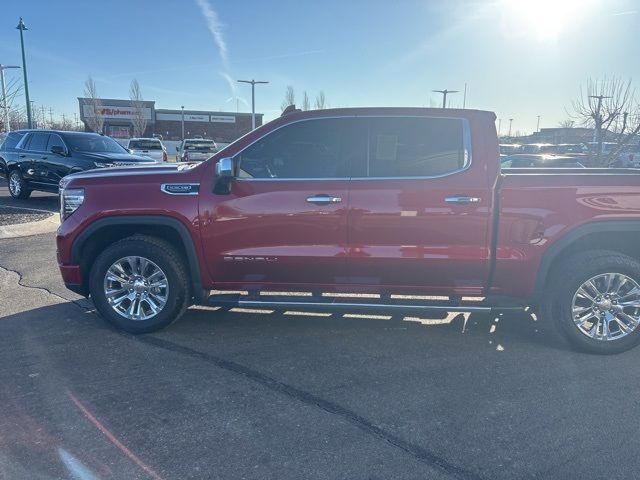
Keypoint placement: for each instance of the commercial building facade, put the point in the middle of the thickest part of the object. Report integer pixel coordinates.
(118, 114)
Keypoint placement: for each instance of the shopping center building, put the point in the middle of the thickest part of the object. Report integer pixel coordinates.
(117, 115)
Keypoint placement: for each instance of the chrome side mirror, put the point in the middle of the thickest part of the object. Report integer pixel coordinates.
(224, 167)
(224, 176)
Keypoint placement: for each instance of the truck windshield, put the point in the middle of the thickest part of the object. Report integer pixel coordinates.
(79, 142)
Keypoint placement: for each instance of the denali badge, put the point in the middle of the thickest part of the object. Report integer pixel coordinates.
(180, 188)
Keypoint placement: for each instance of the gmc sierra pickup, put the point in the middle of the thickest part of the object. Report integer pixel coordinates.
(395, 202)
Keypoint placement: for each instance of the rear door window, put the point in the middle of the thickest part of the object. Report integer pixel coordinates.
(38, 142)
(405, 147)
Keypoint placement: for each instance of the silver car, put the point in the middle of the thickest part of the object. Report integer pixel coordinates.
(148, 147)
(195, 149)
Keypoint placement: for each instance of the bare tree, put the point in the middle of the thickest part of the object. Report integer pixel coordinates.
(13, 88)
(289, 98)
(321, 101)
(610, 106)
(568, 123)
(138, 119)
(306, 103)
(95, 119)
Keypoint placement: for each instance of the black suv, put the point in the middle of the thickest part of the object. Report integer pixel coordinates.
(39, 159)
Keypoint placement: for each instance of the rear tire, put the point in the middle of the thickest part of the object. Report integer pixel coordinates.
(594, 300)
(140, 284)
(17, 186)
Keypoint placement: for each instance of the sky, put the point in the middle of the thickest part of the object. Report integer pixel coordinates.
(518, 58)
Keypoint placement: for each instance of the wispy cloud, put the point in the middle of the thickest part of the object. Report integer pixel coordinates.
(215, 27)
(628, 12)
(282, 55)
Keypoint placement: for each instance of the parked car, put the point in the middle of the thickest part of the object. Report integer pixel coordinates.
(369, 200)
(148, 147)
(42, 158)
(195, 150)
(523, 160)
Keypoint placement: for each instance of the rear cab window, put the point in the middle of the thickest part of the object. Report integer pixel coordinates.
(145, 145)
(201, 146)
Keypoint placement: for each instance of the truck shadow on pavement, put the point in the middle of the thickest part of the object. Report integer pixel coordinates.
(88, 385)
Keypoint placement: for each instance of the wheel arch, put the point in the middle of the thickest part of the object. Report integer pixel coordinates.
(105, 231)
(617, 235)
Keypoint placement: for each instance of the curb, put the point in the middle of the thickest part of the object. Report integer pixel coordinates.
(47, 225)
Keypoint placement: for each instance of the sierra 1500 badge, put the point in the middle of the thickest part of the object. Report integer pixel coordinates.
(180, 188)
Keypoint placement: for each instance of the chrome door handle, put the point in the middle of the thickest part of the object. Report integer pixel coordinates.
(322, 199)
(462, 199)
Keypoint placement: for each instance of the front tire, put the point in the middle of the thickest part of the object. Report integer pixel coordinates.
(140, 284)
(17, 186)
(594, 299)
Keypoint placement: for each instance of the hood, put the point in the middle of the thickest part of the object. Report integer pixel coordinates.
(116, 157)
(149, 170)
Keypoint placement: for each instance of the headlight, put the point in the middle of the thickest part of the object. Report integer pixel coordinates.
(70, 200)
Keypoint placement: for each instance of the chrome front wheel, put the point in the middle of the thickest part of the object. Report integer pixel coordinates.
(15, 184)
(136, 288)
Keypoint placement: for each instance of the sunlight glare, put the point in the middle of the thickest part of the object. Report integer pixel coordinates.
(545, 19)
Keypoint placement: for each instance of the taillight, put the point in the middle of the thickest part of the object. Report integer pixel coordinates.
(164, 156)
(185, 157)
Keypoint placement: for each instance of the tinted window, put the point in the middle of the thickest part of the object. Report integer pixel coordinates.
(414, 147)
(320, 148)
(38, 142)
(12, 140)
(145, 144)
(90, 142)
(55, 140)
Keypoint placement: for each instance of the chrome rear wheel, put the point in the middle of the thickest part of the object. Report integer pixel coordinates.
(607, 306)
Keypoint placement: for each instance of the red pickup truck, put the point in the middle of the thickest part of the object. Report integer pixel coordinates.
(391, 202)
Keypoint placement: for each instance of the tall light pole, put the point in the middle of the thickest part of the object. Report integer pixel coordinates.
(21, 26)
(253, 99)
(510, 123)
(182, 108)
(444, 95)
(499, 125)
(5, 102)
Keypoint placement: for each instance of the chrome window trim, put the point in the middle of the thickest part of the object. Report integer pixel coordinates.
(163, 188)
(466, 143)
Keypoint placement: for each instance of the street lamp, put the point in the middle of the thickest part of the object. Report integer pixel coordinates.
(253, 99)
(182, 107)
(21, 26)
(5, 103)
(444, 95)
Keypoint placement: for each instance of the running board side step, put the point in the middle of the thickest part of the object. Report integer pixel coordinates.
(342, 303)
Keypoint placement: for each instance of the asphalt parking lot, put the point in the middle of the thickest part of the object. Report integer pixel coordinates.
(284, 395)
